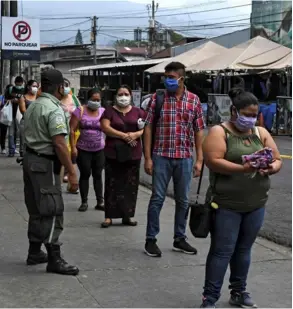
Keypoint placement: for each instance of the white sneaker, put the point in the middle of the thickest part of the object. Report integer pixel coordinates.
(3, 151)
(16, 152)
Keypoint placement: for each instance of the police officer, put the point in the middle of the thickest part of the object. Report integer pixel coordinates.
(46, 150)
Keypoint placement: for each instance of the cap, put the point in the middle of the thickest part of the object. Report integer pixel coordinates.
(53, 77)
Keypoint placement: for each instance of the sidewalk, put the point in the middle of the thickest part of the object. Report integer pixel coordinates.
(114, 272)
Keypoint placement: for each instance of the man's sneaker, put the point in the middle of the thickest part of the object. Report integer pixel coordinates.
(242, 300)
(183, 246)
(16, 151)
(207, 304)
(3, 151)
(151, 248)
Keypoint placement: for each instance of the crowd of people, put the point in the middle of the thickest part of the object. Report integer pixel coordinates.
(59, 135)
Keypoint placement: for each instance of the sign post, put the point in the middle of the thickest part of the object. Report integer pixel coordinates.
(20, 39)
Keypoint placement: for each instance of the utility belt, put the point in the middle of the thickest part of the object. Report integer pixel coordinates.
(46, 156)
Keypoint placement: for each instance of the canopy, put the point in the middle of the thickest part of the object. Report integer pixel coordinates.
(257, 53)
(191, 57)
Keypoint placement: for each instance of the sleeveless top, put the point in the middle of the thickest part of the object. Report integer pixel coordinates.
(239, 192)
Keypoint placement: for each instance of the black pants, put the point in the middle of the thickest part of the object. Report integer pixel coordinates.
(3, 133)
(42, 193)
(90, 163)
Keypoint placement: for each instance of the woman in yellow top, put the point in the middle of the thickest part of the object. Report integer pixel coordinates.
(69, 103)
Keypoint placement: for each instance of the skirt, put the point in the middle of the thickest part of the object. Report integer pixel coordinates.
(121, 187)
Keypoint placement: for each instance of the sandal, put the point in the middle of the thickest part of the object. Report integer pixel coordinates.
(106, 224)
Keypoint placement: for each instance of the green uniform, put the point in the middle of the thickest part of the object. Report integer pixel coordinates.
(43, 120)
(239, 192)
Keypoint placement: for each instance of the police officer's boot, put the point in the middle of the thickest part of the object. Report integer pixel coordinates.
(35, 254)
(58, 265)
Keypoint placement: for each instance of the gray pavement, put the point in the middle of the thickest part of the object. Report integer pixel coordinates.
(278, 223)
(113, 270)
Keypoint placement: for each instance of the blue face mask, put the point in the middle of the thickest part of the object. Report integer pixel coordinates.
(171, 84)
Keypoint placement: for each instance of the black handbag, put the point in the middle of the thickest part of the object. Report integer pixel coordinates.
(200, 219)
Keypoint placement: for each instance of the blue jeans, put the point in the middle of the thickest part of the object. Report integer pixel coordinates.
(163, 169)
(232, 238)
(12, 133)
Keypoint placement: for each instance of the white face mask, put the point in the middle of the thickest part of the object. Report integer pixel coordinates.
(123, 101)
(34, 90)
(67, 90)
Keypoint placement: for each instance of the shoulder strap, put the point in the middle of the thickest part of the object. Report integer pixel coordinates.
(160, 98)
(256, 131)
(74, 98)
(199, 182)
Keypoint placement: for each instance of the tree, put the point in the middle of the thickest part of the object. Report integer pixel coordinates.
(78, 38)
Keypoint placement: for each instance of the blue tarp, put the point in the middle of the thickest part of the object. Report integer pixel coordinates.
(268, 111)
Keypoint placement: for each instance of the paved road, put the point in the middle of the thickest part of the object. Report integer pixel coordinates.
(113, 270)
(278, 222)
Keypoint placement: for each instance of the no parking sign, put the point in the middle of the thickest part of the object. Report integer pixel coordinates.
(20, 39)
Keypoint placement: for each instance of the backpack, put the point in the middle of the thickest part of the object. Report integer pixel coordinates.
(160, 98)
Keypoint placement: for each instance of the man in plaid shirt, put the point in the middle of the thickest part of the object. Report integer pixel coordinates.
(178, 130)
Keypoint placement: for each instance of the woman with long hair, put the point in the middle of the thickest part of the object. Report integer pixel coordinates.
(30, 95)
(122, 125)
(88, 150)
(241, 192)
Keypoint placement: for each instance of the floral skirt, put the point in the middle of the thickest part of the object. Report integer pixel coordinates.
(121, 187)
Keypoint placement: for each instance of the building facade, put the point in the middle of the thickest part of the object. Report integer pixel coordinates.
(272, 20)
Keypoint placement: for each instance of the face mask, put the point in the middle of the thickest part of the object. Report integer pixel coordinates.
(19, 87)
(67, 90)
(34, 90)
(123, 101)
(93, 105)
(171, 84)
(243, 123)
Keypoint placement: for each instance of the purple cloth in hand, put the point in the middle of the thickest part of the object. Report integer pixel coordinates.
(260, 159)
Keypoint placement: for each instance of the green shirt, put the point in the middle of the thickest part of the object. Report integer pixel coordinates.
(239, 192)
(44, 119)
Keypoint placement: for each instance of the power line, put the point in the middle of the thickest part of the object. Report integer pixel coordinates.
(73, 37)
(118, 13)
(60, 28)
(190, 27)
(178, 14)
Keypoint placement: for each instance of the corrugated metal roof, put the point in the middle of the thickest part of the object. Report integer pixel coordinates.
(119, 65)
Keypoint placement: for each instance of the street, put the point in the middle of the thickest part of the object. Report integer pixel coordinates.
(114, 272)
(278, 221)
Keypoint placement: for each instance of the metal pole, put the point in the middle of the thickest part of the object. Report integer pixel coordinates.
(14, 64)
(95, 38)
(5, 8)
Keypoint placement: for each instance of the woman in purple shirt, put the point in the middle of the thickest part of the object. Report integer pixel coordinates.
(123, 127)
(89, 149)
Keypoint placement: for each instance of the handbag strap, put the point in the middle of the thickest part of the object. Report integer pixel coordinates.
(199, 182)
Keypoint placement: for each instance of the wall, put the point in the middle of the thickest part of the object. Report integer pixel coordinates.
(65, 66)
(227, 40)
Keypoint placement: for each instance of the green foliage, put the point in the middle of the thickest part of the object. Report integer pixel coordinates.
(78, 38)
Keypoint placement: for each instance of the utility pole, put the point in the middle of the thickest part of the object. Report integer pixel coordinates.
(152, 27)
(14, 64)
(94, 38)
(5, 64)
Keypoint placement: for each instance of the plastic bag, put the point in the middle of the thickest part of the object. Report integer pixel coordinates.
(19, 116)
(6, 114)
